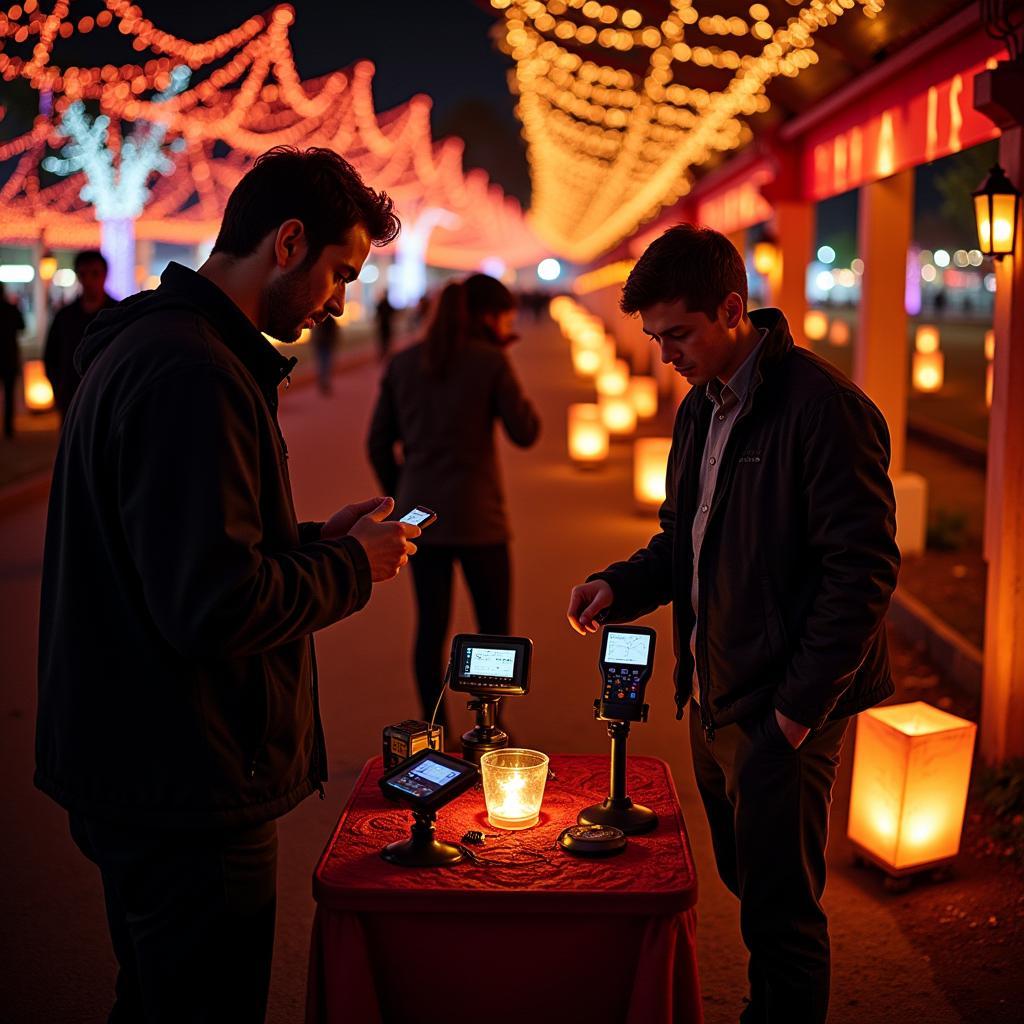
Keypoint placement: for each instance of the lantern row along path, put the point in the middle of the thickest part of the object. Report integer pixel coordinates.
(55, 950)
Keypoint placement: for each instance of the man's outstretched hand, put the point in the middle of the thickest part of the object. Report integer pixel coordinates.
(345, 518)
(586, 602)
(387, 545)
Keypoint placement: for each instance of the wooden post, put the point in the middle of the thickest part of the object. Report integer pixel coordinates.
(794, 227)
(880, 357)
(1002, 705)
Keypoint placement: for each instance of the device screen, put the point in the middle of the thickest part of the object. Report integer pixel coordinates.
(488, 663)
(424, 779)
(416, 516)
(627, 648)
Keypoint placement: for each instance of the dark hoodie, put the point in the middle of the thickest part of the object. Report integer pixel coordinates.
(177, 682)
(799, 558)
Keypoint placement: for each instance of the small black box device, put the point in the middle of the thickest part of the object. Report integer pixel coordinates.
(406, 738)
(428, 781)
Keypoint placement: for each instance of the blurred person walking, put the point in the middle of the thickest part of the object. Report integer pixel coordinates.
(385, 314)
(439, 401)
(70, 324)
(11, 323)
(325, 337)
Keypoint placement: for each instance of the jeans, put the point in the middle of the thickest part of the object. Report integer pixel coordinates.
(191, 918)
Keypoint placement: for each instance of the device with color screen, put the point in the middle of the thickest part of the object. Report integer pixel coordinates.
(490, 666)
(419, 516)
(428, 780)
(627, 660)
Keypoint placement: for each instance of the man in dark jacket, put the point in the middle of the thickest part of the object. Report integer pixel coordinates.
(70, 324)
(777, 551)
(11, 325)
(178, 711)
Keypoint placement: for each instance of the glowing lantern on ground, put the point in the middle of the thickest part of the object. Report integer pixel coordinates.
(996, 203)
(643, 391)
(815, 325)
(617, 414)
(911, 767)
(588, 436)
(613, 378)
(839, 333)
(926, 339)
(650, 457)
(38, 392)
(928, 371)
(586, 361)
(766, 255)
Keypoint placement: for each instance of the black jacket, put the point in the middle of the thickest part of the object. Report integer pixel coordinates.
(69, 325)
(177, 683)
(445, 424)
(799, 559)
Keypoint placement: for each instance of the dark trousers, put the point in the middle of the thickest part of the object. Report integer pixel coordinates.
(768, 806)
(488, 577)
(10, 386)
(191, 917)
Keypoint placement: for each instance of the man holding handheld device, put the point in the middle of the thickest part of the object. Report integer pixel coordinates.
(777, 550)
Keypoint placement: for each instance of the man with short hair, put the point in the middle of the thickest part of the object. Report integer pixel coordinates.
(70, 324)
(777, 550)
(178, 703)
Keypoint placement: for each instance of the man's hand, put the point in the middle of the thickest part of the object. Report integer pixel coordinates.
(586, 602)
(345, 518)
(794, 732)
(386, 544)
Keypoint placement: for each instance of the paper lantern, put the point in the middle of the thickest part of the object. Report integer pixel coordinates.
(928, 371)
(766, 255)
(513, 781)
(38, 392)
(643, 391)
(588, 436)
(839, 333)
(650, 458)
(815, 325)
(926, 339)
(617, 414)
(911, 768)
(613, 378)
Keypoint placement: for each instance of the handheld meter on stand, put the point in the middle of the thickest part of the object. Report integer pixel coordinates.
(627, 661)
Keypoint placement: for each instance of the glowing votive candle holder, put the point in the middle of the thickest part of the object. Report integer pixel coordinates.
(644, 393)
(38, 391)
(514, 781)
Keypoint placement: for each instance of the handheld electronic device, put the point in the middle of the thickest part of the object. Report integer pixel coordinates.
(419, 516)
(627, 660)
(592, 840)
(424, 784)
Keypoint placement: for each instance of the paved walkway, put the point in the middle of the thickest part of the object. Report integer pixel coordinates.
(54, 949)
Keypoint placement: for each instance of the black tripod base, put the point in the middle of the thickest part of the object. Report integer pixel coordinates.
(414, 853)
(631, 818)
(478, 742)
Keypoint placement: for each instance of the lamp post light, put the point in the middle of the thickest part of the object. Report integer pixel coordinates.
(996, 203)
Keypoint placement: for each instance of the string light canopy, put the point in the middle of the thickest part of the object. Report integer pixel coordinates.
(243, 96)
(612, 115)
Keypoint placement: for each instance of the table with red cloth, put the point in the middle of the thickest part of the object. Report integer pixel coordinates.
(541, 936)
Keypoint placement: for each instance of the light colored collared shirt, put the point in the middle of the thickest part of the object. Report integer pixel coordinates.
(727, 401)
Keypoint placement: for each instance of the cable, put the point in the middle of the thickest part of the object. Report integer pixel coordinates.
(437, 706)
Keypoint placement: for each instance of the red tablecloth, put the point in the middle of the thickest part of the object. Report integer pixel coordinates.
(543, 936)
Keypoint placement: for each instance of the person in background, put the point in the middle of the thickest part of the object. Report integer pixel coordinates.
(325, 337)
(69, 326)
(439, 401)
(11, 323)
(385, 316)
(777, 552)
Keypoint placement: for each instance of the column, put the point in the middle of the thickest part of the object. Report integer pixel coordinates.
(1002, 705)
(880, 357)
(40, 296)
(787, 284)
